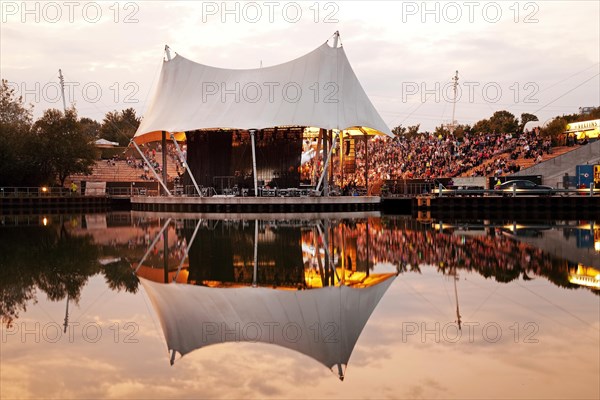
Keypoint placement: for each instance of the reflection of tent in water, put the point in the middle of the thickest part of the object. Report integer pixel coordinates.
(323, 324)
(158, 275)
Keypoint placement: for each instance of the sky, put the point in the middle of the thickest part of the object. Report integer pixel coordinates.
(539, 57)
(103, 356)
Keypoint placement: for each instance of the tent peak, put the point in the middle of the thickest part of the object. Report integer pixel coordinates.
(336, 37)
(168, 52)
(316, 89)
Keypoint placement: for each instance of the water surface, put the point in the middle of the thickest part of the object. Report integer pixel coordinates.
(143, 305)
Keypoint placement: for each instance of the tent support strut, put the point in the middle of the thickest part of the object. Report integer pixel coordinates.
(185, 164)
(252, 133)
(151, 169)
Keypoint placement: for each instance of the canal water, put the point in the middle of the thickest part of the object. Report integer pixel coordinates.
(146, 305)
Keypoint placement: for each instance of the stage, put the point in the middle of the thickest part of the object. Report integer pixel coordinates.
(220, 204)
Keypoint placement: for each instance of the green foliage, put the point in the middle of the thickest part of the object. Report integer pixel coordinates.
(501, 122)
(554, 129)
(407, 132)
(413, 131)
(482, 126)
(461, 131)
(66, 148)
(90, 127)
(525, 118)
(44, 258)
(594, 114)
(441, 130)
(15, 126)
(399, 130)
(45, 152)
(119, 126)
(51, 260)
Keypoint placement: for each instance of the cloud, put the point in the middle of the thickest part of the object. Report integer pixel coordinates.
(385, 42)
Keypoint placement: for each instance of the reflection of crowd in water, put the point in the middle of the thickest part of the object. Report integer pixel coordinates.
(492, 254)
(408, 248)
(403, 243)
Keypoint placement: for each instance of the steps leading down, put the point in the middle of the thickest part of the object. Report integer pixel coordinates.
(553, 170)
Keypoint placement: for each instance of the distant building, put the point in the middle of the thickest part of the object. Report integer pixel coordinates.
(585, 129)
(585, 110)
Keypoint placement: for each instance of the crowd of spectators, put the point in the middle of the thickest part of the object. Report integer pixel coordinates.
(153, 157)
(427, 157)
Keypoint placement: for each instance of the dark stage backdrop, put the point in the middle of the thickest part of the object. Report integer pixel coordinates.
(208, 155)
(225, 253)
(224, 158)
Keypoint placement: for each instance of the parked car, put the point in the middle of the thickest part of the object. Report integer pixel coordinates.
(524, 187)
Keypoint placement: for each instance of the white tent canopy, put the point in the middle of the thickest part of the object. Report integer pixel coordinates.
(105, 143)
(323, 324)
(318, 89)
(531, 125)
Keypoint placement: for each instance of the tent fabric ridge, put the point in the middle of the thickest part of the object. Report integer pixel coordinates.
(193, 96)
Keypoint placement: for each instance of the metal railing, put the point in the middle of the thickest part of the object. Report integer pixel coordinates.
(120, 191)
(43, 191)
(131, 191)
(246, 192)
(514, 191)
(407, 189)
(190, 190)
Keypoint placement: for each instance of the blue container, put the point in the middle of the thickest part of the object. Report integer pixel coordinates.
(585, 175)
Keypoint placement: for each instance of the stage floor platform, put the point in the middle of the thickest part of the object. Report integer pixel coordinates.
(256, 204)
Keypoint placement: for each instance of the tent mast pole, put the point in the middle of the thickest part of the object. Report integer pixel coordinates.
(163, 141)
(327, 152)
(325, 169)
(149, 249)
(367, 164)
(62, 90)
(317, 157)
(185, 164)
(151, 168)
(252, 133)
(163, 144)
(166, 255)
(332, 143)
(187, 250)
(255, 271)
(341, 158)
(336, 36)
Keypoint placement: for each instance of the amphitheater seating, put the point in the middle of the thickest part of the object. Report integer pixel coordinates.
(524, 162)
(556, 151)
(103, 171)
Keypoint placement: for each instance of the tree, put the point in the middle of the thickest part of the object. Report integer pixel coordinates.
(119, 126)
(482, 126)
(461, 130)
(503, 122)
(525, 118)
(554, 129)
(90, 128)
(399, 130)
(66, 148)
(413, 131)
(15, 127)
(441, 130)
